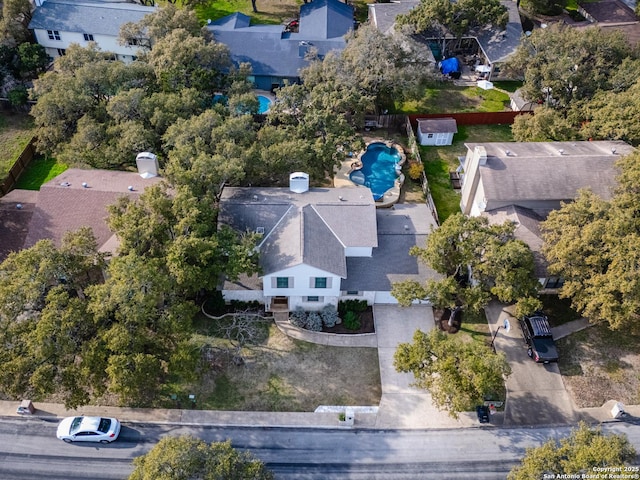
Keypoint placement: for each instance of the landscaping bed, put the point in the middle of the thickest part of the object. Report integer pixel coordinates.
(366, 325)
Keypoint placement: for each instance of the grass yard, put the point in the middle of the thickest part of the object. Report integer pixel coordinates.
(439, 161)
(16, 130)
(40, 171)
(283, 374)
(451, 98)
(271, 12)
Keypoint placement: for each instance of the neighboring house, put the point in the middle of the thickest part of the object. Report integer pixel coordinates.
(277, 55)
(523, 182)
(436, 131)
(79, 198)
(612, 15)
(16, 210)
(490, 47)
(57, 24)
(320, 245)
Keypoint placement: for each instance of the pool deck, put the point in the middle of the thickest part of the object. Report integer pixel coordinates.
(341, 179)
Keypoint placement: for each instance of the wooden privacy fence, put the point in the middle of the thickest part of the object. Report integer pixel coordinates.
(18, 167)
(415, 150)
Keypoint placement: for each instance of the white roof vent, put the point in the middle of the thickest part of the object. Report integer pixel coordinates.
(299, 182)
(507, 152)
(260, 230)
(85, 185)
(255, 198)
(561, 151)
(130, 188)
(147, 164)
(613, 150)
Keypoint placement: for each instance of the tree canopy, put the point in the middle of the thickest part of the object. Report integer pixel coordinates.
(459, 375)
(444, 18)
(593, 244)
(186, 457)
(499, 264)
(584, 449)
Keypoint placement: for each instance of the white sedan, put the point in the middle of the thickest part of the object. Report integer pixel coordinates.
(88, 429)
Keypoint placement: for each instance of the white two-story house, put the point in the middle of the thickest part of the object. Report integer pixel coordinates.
(57, 24)
(323, 245)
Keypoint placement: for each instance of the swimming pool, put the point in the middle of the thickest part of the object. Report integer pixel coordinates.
(264, 101)
(265, 104)
(380, 168)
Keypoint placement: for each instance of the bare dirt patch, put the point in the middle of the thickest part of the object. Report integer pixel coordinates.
(598, 365)
(284, 374)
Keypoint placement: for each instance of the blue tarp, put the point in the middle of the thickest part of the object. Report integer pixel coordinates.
(449, 65)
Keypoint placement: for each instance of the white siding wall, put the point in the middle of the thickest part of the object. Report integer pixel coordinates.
(300, 283)
(105, 42)
(358, 251)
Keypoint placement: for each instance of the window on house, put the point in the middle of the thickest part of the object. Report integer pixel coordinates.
(88, 37)
(313, 299)
(282, 282)
(132, 42)
(53, 34)
(554, 282)
(353, 292)
(62, 52)
(429, 135)
(321, 282)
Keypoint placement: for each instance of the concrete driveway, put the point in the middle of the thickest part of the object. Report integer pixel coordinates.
(536, 394)
(401, 405)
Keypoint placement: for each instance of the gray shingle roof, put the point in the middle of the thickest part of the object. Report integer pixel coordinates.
(66, 208)
(383, 15)
(399, 229)
(549, 170)
(272, 51)
(87, 17)
(499, 44)
(437, 125)
(527, 229)
(313, 227)
(14, 221)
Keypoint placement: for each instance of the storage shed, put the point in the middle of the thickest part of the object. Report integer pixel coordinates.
(436, 131)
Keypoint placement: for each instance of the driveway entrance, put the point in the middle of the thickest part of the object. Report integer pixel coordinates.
(401, 405)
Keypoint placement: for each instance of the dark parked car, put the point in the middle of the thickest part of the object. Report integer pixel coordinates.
(537, 335)
(483, 413)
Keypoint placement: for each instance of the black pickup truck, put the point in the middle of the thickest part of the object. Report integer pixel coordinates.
(537, 335)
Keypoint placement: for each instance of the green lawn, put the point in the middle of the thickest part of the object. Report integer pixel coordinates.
(39, 172)
(452, 98)
(439, 161)
(269, 11)
(16, 130)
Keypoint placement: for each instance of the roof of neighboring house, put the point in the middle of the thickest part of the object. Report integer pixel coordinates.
(499, 44)
(612, 15)
(399, 228)
(65, 205)
(527, 229)
(272, 51)
(437, 125)
(14, 220)
(520, 171)
(311, 228)
(383, 15)
(521, 103)
(87, 17)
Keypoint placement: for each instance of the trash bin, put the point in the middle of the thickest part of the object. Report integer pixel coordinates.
(26, 408)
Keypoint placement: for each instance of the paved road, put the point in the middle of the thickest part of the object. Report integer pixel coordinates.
(29, 450)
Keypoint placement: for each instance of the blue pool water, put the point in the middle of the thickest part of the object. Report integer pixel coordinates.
(265, 104)
(378, 170)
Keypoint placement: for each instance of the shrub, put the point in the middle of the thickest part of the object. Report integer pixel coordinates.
(415, 170)
(298, 317)
(357, 306)
(351, 321)
(242, 306)
(215, 304)
(329, 316)
(314, 322)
